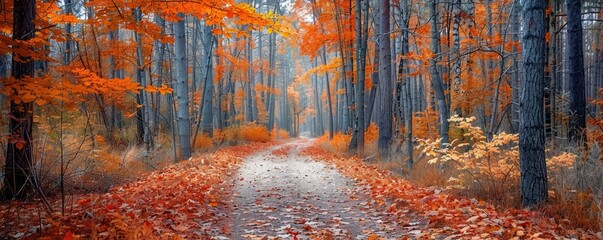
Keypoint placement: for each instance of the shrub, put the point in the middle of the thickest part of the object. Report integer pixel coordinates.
(488, 168)
(280, 134)
(203, 141)
(254, 133)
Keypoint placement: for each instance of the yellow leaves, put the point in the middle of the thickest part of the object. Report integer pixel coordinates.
(492, 162)
(331, 67)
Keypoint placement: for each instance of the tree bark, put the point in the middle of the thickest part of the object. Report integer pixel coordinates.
(18, 168)
(142, 113)
(385, 80)
(436, 79)
(531, 117)
(577, 106)
(183, 117)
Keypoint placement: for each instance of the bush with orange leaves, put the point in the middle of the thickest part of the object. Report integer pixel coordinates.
(341, 142)
(250, 132)
(338, 144)
(203, 141)
(254, 133)
(280, 134)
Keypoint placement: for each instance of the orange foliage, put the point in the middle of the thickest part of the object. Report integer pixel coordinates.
(447, 215)
(146, 208)
(280, 134)
(254, 133)
(203, 142)
(339, 143)
(250, 132)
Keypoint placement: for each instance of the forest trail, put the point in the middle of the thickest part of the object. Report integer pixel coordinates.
(282, 193)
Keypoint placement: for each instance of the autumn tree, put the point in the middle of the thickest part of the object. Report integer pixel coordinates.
(18, 179)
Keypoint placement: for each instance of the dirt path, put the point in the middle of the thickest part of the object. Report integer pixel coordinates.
(279, 193)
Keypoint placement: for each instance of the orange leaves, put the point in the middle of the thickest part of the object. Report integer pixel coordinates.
(448, 216)
(331, 67)
(63, 19)
(149, 208)
(46, 89)
(164, 89)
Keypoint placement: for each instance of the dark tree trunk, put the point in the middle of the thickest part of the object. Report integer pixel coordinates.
(577, 107)
(531, 116)
(19, 149)
(436, 79)
(385, 81)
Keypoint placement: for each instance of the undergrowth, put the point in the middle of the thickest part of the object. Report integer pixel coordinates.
(474, 167)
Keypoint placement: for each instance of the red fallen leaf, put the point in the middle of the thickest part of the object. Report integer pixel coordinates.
(84, 201)
(181, 227)
(147, 229)
(307, 228)
(292, 233)
(110, 206)
(259, 201)
(68, 236)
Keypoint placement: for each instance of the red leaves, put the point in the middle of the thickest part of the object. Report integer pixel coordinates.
(178, 201)
(448, 216)
(68, 236)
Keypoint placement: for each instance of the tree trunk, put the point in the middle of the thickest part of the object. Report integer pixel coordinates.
(577, 106)
(208, 88)
(142, 113)
(249, 84)
(436, 79)
(183, 117)
(320, 130)
(531, 117)
(385, 80)
(271, 81)
(17, 170)
(357, 141)
(456, 54)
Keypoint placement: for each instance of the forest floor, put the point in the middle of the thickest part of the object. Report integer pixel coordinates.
(291, 190)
